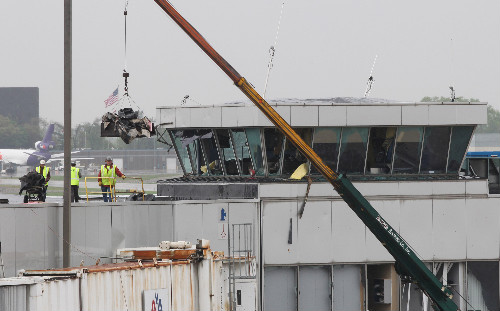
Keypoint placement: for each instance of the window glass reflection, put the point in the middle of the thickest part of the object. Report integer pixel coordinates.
(435, 151)
(292, 158)
(242, 150)
(353, 150)
(408, 148)
(326, 144)
(254, 143)
(211, 153)
(460, 137)
(227, 152)
(380, 150)
(274, 145)
(182, 150)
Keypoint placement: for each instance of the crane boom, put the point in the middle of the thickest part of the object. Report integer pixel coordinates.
(408, 265)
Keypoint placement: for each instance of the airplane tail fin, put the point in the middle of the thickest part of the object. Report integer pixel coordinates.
(48, 135)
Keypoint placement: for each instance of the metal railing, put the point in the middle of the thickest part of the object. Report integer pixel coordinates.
(112, 188)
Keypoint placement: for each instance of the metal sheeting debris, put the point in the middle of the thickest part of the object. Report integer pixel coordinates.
(127, 125)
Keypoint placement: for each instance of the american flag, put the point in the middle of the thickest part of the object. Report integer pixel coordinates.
(113, 98)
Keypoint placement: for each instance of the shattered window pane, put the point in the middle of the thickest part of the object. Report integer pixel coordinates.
(197, 159)
(408, 148)
(211, 153)
(326, 144)
(292, 157)
(380, 150)
(482, 285)
(460, 137)
(254, 143)
(227, 152)
(353, 150)
(274, 145)
(242, 150)
(435, 151)
(182, 151)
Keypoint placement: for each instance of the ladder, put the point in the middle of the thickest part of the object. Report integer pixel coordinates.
(241, 258)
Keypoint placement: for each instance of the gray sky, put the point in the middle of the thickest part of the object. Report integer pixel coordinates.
(325, 49)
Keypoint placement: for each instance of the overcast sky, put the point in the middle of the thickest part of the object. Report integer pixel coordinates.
(324, 49)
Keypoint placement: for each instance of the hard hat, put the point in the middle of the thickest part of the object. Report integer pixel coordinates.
(73, 163)
(42, 162)
(109, 159)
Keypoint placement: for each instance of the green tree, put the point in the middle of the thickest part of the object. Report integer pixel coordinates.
(18, 135)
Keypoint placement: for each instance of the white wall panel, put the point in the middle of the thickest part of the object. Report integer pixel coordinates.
(285, 190)
(105, 231)
(188, 222)
(78, 235)
(276, 225)
(315, 232)
(348, 233)
(479, 186)
(373, 115)
(183, 117)
(92, 232)
(211, 220)
(251, 116)
(390, 211)
(472, 114)
(304, 116)
(8, 239)
(376, 188)
(414, 188)
(416, 226)
(283, 111)
(229, 116)
(448, 187)
(449, 229)
(166, 115)
(483, 228)
(442, 114)
(206, 117)
(332, 116)
(160, 224)
(415, 115)
(322, 190)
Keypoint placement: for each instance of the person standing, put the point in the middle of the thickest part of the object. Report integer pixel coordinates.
(107, 184)
(45, 171)
(75, 182)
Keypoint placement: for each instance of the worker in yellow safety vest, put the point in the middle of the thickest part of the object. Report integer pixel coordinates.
(75, 182)
(107, 184)
(45, 171)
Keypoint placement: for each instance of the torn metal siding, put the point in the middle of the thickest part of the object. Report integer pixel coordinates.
(117, 287)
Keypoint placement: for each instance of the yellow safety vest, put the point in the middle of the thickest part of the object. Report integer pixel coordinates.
(75, 179)
(44, 173)
(108, 173)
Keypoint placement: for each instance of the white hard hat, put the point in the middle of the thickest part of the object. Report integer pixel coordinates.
(42, 162)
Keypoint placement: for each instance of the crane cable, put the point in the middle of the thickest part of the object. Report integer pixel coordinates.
(370, 81)
(125, 73)
(272, 51)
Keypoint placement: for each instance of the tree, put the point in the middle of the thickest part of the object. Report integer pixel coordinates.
(18, 135)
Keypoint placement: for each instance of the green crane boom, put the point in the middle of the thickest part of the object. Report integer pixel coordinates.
(408, 265)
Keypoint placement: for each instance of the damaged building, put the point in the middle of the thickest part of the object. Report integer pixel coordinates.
(311, 251)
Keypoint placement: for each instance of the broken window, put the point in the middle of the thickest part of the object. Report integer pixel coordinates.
(211, 154)
(197, 160)
(181, 148)
(380, 150)
(326, 144)
(482, 285)
(292, 157)
(274, 145)
(254, 143)
(227, 152)
(353, 150)
(242, 150)
(435, 150)
(460, 137)
(408, 148)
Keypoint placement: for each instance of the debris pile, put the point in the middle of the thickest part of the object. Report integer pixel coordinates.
(127, 125)
(32, 183)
